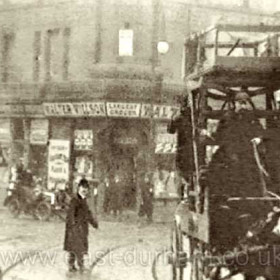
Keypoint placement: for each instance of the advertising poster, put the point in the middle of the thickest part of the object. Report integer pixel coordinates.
(83, 139)
(166, 143)
(39, 130)
(58, 163)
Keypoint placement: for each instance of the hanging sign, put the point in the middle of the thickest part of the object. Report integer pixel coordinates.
(83, 139)
(58, 163)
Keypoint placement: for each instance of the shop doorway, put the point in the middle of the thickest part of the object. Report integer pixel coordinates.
(124, 167)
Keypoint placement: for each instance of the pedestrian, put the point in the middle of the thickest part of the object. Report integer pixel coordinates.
(76, 232)
(147, 195)
(116, 199)
(107, 189)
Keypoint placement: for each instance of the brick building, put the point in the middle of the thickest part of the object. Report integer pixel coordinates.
(85, 91)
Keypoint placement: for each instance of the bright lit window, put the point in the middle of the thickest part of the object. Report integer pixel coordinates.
(125, 42)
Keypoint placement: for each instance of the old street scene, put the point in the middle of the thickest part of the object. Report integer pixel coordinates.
(140, 139)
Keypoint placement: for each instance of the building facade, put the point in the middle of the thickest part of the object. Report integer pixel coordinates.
(86, 92)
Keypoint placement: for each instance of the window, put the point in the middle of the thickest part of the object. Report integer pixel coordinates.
(36, 56)
(125, 42)
(66, 42)
(8, 39)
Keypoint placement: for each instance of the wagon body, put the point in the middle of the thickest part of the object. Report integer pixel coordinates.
(219, 63)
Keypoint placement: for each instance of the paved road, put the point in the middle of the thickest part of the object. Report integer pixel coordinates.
(23, 239)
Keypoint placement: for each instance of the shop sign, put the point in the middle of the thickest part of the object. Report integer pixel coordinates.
(21, 110)
(83, 139)
(58, 163)
(166, 143)
(125, 110)
(126, 141)
(5, 131)
(159, 111)
(95, 109)
(39, 130)
(112, 109)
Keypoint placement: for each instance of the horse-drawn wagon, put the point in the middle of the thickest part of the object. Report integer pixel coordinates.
(227, 222)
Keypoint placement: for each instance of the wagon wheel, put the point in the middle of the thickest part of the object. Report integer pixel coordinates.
(198, 266)
(43, 211)
(14, 207)
(180, 251)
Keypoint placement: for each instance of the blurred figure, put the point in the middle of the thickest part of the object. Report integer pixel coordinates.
(147, 195)
(116, 198)
(107, 195)
(182, 125)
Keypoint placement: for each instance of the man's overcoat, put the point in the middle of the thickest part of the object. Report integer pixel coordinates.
(76, 233)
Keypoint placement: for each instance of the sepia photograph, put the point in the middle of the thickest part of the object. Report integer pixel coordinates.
(140, 139)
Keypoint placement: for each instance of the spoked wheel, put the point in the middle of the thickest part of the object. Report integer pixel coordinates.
(43, 211)
(14, 207)
(178, 256)
(198, 265)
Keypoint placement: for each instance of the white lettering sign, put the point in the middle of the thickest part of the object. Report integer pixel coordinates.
(127, 110)
(159, 111)
(112, 109)
(166, 143)
(75, 109)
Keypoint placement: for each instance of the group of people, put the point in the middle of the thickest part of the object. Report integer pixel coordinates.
(114, 196)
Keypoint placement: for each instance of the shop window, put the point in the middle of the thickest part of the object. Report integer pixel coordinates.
(38, 160)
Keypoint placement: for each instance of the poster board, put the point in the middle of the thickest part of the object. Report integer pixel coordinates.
(58, 163)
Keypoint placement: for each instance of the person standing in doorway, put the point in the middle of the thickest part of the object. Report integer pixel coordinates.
(76, 232)
(147, 195)
(117, 196)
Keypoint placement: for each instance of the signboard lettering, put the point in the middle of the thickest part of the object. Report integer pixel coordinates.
(131, 110)
(112, 109)
(75, 109)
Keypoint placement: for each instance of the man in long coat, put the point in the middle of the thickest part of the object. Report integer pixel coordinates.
(76, 233)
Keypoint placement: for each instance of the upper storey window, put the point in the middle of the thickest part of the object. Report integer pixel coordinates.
(125, 42)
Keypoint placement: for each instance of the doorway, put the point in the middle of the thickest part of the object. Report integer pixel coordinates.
(124, 166)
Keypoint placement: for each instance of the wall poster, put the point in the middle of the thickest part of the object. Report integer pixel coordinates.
(58, 163)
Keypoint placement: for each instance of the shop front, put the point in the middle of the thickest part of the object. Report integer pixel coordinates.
(108, 139)
(93, 140)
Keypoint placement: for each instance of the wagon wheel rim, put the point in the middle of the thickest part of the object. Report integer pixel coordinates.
(176, 247)
(198, 267)
(14, 207)
(43, 211)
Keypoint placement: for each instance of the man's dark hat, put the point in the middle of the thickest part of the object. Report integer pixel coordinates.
(83, 183)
